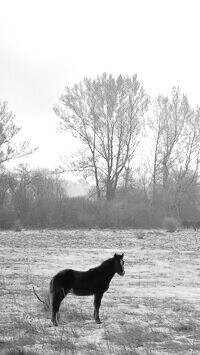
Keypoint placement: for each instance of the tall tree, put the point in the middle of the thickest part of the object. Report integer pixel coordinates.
(176, 129)
(8, 131)
(106, 115)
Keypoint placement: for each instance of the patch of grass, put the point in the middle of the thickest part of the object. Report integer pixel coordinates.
(27, 325)
(44, 296)
(71, 315)
(61, 344)
(93, 348)
(19, 351)
(184, 327)
(130, 335)
(140, 235)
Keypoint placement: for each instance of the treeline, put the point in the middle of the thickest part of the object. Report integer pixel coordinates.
(38, 199)
(141, 156)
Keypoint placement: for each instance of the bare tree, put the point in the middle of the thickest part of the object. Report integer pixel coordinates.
(106, 115)
(176, 128)
(7, 185)
(8, 131)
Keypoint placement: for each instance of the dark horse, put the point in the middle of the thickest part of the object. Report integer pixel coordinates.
(95, 282)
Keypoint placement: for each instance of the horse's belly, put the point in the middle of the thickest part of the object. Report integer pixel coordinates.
(82, 292)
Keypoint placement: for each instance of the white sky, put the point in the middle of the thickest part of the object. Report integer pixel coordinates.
(46, 45)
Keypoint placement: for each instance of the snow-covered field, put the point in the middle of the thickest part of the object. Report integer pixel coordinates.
(153, 309)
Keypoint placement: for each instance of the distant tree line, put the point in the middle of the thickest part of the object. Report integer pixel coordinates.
(112, 118)
(38, 199)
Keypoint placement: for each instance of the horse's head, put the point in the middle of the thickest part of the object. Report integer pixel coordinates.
(119, 264)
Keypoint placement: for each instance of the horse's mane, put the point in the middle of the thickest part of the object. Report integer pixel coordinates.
(103, 265)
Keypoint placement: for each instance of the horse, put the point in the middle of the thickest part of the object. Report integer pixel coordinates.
(95, 282)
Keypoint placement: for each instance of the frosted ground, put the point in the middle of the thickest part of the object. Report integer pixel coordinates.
(153, 309)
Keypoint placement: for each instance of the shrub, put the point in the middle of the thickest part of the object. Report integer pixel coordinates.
(17, 226)
(146, 215)
(170, 224)
(7, 218)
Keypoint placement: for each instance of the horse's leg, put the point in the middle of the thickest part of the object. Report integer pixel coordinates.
(55, 309)
(97, 303)
(56, 301)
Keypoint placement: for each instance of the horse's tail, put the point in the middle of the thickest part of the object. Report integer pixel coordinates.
(45, 303)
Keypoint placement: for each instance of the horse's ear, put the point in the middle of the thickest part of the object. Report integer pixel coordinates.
(122, 255)
(115, 255)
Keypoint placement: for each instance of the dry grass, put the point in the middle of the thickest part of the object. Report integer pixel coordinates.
(154, 309)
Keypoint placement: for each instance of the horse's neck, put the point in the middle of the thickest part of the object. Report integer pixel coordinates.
(108, 270)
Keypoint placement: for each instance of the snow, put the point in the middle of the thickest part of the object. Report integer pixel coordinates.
(156, 304)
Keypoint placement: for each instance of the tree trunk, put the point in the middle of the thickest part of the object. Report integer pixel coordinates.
(165, 173)
(110, 190)
(97, 183)
(155, 170)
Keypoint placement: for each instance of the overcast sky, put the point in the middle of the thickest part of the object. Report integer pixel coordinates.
(46, 45)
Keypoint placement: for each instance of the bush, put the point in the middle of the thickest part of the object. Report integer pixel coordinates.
(7, 218)
(170, 224)
(17, 226)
